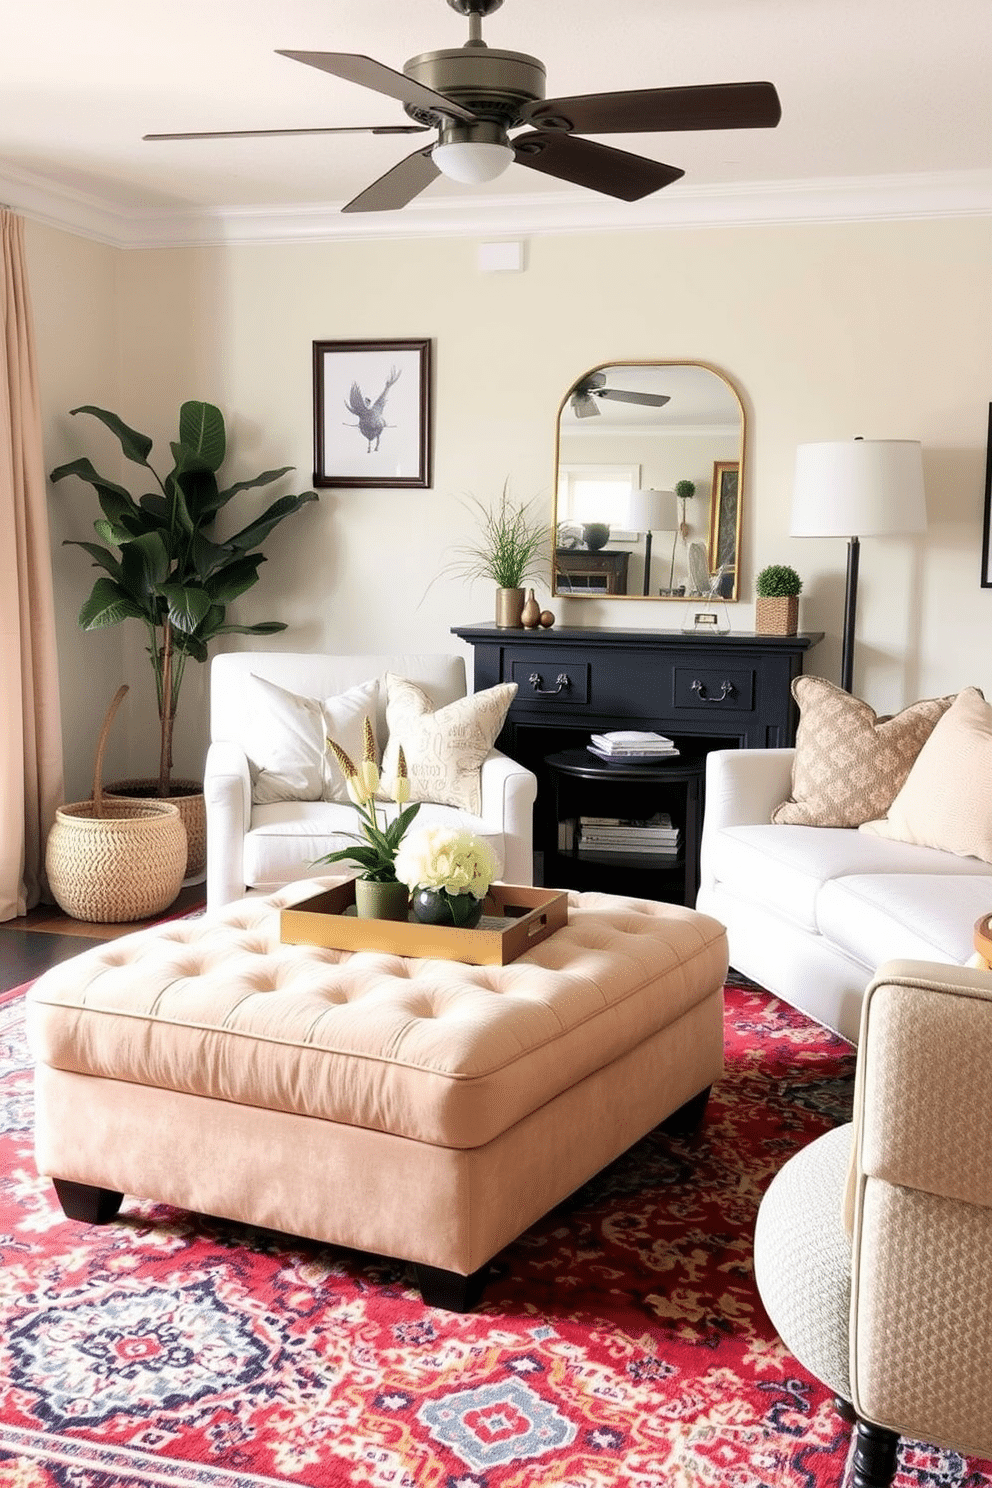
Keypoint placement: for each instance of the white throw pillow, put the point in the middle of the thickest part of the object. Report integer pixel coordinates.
(445, 749)
(289, 758)
(945, 801)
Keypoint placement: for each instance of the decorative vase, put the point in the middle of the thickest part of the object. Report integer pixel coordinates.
(381, 901)
(596, 535)
(530, 615)
(776, 615)
(438, 907)
(509, 608)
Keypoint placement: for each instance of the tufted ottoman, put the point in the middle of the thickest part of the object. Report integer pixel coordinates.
(425, 1110)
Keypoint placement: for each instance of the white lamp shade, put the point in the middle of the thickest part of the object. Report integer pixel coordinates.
(858, 488)
(472, 161)
(652, 511)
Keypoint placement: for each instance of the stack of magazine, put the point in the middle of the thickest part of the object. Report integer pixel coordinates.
(653, 837)
(632, 744)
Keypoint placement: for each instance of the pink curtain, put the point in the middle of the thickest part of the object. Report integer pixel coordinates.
(30, 717)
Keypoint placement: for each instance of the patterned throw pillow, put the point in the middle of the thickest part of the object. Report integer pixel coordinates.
(289, 759)
(849, 763)
(945, 801)
(443, 749)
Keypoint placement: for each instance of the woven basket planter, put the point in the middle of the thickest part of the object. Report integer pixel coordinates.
(115, 861)
(777, 616)
(128, 864)
(187, 795)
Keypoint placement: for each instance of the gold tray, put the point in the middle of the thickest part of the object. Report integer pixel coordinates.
(514, 919)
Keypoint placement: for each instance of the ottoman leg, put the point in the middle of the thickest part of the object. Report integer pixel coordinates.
(82, 1201)
(686, 1121)
(449, 1289)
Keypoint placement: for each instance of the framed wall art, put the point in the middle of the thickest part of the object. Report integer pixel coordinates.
(372, 413)
(724, 516)
(987, 524)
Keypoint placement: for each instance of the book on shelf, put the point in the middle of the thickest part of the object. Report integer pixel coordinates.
(632, 744)
(597, 849)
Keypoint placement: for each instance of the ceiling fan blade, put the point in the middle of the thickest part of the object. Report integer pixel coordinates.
(583, 406)
(599, 167)
(644, 110)
(398, 186)
(274, 133)
(620, 395)
(368, 73)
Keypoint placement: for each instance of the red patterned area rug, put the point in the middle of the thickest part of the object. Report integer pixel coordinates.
(620, 1342)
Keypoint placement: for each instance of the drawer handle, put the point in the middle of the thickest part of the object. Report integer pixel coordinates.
(563, 679)
(727, 690)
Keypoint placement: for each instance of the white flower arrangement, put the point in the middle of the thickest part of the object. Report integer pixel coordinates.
(448, 858)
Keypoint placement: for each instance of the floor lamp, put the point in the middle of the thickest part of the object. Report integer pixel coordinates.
(857, 488)
(651, 511)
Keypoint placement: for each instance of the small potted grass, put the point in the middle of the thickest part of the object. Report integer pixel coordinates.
(776, 610)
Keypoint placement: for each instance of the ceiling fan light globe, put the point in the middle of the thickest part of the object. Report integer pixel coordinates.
(471, 162)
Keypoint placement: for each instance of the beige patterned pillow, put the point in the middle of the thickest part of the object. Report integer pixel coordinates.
(945, 801)
(443, 750)
(850, 764)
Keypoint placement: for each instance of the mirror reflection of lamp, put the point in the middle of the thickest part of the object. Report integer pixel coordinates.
(651, 511)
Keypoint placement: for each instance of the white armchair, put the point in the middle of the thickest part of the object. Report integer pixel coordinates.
(263, 846)
(872, 1244)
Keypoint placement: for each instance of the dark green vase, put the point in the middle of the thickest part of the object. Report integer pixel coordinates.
(438, 907)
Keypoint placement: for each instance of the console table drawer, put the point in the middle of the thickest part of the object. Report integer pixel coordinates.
(723, 689)
(563, 681)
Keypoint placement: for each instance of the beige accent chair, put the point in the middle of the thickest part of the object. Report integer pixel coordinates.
(873, 1245)
(261, 847)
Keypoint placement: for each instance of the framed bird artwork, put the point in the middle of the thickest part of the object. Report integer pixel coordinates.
(372, 413)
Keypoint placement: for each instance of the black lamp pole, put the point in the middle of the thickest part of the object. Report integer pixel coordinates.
(850, 607)
(647, 563)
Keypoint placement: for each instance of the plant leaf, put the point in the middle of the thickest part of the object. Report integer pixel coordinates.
(201, 433)
(102, 556)
(144, 565)
(263, 627)
(234, 578)
(265, 479)
(137, 447)
(187, 606)
(108, 604)
(253, 534)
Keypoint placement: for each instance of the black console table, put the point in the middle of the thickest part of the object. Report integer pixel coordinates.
(704, 691)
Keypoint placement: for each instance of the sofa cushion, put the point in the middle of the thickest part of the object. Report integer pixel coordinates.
(916, 916)
(444, 749)
(946, 801)
(288, 836)
(782, 869)
(288, 757)
(849, 763)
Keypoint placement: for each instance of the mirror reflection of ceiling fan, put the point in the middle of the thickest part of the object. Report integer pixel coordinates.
(586, 392)
(473, 96)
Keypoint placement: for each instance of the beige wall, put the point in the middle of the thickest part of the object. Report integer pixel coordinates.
(828, 331)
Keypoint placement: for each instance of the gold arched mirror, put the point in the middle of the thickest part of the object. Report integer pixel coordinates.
(632, 438)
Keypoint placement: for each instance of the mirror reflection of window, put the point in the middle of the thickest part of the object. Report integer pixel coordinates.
(629, 427)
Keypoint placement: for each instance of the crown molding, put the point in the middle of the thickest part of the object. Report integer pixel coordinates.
(761, 203)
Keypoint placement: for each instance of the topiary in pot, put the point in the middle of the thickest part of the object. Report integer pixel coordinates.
(777, 606)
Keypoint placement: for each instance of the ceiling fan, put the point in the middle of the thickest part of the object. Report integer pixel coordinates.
(474, 95)
(586, 392)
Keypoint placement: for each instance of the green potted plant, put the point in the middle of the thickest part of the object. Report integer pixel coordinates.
(684, 491)
(511, 547)
(777, 606)
(164, 566)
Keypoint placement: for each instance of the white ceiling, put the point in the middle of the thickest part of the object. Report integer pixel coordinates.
(884, 101)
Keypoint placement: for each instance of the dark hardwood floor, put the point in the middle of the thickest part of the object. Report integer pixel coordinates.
(45, 936)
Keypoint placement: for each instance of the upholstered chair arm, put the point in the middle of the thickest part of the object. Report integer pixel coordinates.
(227, 795)
(743, 787)
(921, 1312)
(509, 791)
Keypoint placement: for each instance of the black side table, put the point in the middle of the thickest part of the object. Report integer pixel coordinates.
(584, 785)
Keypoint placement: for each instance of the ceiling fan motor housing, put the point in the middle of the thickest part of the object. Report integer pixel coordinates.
(495, 85)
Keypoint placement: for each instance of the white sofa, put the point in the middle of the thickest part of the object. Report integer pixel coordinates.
(811, 912)
(263, 847)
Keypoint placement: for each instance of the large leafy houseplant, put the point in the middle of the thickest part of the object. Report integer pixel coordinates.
(163, 563)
